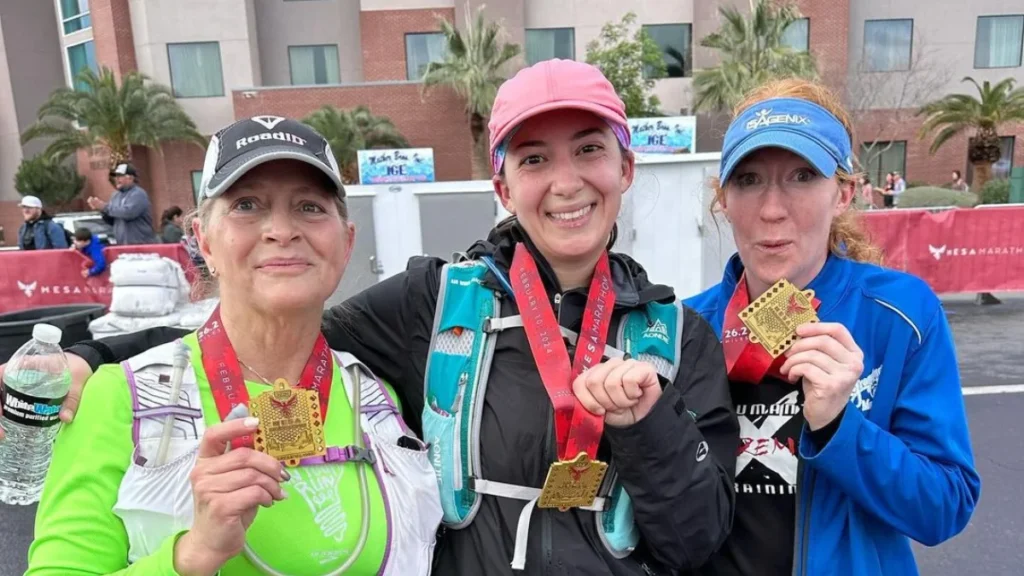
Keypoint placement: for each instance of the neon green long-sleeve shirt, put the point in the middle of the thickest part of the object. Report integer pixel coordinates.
(77, 533)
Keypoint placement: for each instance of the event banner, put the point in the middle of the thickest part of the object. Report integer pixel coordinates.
(671, 135)
(35, 278)
(962, 250)
(396, 166)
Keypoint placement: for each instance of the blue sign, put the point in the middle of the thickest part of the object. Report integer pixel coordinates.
(391, 166)
(672, 135)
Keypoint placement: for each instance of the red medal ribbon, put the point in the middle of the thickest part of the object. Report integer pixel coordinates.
(576, 429)
(746, 361)
(225, 373)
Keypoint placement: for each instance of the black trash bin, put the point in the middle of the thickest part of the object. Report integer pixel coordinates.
(72, 319)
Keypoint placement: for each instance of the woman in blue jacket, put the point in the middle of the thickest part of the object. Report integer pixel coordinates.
(855, 440)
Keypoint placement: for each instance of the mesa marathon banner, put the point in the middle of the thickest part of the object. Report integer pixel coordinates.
(35, 278)
(961, 250)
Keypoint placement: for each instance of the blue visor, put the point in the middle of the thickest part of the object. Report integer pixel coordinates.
(800, 126)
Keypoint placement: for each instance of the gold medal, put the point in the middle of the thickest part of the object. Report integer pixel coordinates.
(572, 483)
(772, 318)
(290, 424)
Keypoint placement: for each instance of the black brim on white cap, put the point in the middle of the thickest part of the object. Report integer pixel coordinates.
(249, 143)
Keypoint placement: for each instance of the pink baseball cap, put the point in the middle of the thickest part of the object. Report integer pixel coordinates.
(553, 85)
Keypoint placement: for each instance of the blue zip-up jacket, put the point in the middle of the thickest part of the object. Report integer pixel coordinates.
(46, 233)
(94, 250)
(900, 465)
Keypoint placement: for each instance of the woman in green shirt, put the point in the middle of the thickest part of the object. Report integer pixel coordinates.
(243, 473)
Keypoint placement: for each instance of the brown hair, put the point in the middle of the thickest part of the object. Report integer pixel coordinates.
(846, 238)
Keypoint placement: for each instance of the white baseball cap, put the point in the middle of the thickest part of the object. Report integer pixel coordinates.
(30, 202)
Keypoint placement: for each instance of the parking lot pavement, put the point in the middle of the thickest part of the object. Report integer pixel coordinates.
(990, 346)
(993, 542)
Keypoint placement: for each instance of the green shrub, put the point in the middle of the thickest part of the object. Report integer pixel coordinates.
(54, 182)
(932, 196)
(917, 184)
(996, 192)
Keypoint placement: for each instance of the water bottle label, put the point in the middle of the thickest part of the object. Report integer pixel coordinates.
(29, 410)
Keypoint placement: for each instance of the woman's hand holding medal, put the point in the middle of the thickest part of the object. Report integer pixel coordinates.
(830, 363)
(227, 489)
(624, 391)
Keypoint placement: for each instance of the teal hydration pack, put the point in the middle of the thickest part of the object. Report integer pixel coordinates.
(467, 322)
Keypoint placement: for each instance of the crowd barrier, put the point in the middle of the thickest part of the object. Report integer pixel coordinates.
(31, 279)
(954, 250)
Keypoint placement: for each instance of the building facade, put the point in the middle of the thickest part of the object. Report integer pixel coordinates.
(228, 59)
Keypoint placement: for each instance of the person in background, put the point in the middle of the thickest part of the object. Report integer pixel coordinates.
(128, 209)
(867, 192)
(887, 192)
(171, 230)
(854, 438)
(89, 244)
(899, 186)
(959, 183)
(39, 232)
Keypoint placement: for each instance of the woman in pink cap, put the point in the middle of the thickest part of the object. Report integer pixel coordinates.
(578, 416)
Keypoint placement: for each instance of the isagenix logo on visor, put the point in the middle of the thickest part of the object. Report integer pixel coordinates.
(764, 117)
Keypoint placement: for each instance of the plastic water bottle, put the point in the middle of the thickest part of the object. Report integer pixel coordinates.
(36, 380)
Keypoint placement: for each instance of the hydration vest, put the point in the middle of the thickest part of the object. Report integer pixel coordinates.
(155, 502)
(467, 322)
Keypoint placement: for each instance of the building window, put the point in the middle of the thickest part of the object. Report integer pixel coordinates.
(80, 57)
(420, 51)
(314, 64)
(548, 43)
(74, 15)
(999, 40)
(197, 181)
(675, 43)
(196, 70)
(887, 45)
(1001, 169)
(797, 35)
(880, 158)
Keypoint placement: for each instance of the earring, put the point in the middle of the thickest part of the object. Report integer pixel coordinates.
(213, 271)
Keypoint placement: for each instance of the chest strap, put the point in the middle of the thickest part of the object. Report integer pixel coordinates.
(531, 496)
(499, 324)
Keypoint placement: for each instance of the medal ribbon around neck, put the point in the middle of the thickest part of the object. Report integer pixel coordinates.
(225, 373)
(576, 429)
(746, 361)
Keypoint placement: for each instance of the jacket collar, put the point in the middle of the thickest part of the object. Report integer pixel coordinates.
(830, 285)
(632, 288)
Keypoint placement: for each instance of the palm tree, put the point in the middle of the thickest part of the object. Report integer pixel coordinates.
(115, 116)
(753, 52)
(349, 131)
(473, 65)
(954, 113)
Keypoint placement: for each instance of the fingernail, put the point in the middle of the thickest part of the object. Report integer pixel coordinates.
(251, 422)
(65, 415)
(284, 494)
(285, 476)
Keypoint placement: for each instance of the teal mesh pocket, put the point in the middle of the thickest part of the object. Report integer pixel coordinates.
(620, 530)
(439, 431)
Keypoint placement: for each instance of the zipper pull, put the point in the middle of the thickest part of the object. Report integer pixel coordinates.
(457, 404)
